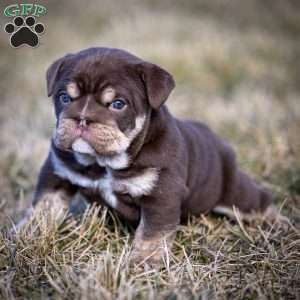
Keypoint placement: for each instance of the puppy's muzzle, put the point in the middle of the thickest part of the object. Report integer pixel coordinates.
(100, 138)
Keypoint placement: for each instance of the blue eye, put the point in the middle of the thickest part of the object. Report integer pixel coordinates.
(64, 98)
(118, 104)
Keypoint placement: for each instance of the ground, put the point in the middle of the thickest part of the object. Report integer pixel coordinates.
(236, 65)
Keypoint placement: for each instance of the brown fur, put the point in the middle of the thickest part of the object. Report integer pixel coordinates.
(196, 169)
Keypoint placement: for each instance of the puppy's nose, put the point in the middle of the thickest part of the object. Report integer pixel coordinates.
(83, 122)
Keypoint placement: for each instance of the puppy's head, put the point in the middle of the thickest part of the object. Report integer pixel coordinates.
(102, 97)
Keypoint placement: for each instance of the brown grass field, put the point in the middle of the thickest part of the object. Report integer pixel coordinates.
(237, 68)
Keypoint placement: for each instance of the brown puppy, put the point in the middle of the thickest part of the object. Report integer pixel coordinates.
(117, 144)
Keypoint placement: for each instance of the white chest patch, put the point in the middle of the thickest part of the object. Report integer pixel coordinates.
(118, 162)
(139, 185)
(136, 186)
(86, 157)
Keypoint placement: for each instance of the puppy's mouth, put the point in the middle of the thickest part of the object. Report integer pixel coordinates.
(90, 140)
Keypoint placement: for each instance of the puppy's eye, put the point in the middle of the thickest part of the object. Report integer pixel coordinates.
(64, 98)
(117, 104)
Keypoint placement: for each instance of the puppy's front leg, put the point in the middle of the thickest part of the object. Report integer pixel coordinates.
(160, 215)
(52, 195)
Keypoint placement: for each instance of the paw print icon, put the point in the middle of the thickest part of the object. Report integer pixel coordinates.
(24, 31)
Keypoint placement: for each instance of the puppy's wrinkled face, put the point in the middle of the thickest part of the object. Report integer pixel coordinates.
(104, 121)
(102, 99)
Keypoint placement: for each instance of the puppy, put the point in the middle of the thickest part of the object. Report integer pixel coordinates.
(116, 144)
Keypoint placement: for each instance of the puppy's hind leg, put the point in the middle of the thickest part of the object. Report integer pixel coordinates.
(267, 212)
(242, 195)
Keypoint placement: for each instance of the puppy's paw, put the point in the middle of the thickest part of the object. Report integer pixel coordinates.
(150, 253)
(145, 260)
(273, 215)
(23, 221)
(50, 211)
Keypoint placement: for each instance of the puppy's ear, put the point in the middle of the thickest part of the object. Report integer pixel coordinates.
(53, 73)
(159, 83)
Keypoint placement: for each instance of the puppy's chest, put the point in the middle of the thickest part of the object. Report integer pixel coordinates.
(113, 186)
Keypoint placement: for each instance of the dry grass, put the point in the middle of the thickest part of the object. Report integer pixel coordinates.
(237, 68)
(87, 259)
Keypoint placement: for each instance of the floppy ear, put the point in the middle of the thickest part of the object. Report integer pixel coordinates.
(159, 83)
(53, 73)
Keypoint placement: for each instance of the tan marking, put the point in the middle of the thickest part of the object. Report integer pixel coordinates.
(64, 135)
(106, 139)
(108, 95)
(73, 90)
(139, 125)
(151, 251)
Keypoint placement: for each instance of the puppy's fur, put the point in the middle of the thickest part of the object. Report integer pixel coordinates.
(146, 165)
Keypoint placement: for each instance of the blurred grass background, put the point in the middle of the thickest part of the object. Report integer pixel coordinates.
(237, 68)
(236, 64)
